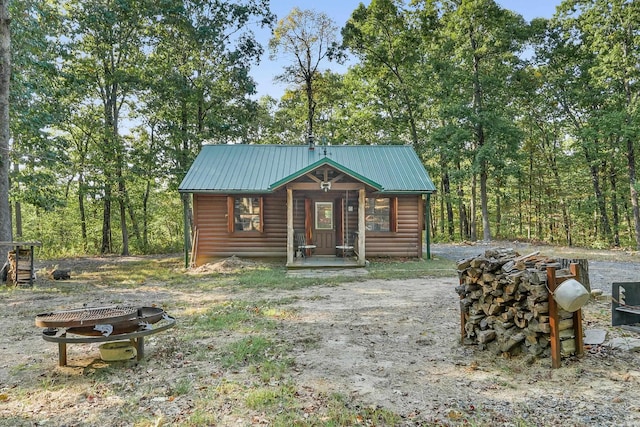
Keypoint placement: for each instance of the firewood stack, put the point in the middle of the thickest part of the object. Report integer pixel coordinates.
(504, 302)
(22, 274)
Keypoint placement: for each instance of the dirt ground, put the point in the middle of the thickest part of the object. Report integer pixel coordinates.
(387, 344)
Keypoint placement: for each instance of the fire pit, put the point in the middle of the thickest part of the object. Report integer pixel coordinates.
(103, 324)
(85, 317)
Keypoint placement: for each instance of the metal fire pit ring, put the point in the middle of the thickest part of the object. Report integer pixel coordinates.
(85, 317)
(136, 338)
(127, 323)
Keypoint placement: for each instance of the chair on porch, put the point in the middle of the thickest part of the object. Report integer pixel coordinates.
(303, 248)
(347, 247)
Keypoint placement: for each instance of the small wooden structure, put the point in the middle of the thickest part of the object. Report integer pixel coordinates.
(20, 262)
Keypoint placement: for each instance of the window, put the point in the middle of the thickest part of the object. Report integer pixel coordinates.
(380, 213)
(246, 214)
(324, 216)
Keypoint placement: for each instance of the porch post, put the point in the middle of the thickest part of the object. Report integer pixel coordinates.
(361, 227)
(186, 228)
(427, 226)
(289, 226)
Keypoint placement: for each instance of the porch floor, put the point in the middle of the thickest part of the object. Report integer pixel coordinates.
(324, 261)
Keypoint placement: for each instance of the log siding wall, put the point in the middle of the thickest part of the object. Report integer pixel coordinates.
(214, 241)
(407, 240)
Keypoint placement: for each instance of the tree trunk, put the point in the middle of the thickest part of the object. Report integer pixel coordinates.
(188, 218)
(484, 203)
(123, 217)
(447, 196)
(480, 141)
(5, 162)
(106, 220)
(464, 217)
(631, 164)
(17, 207)
(311, 107)
(520, 216)
(83, 215)
(602, 208)
(473, 233)
(614, 206)
(132, 216)
(145, 216)
(530, 197)
(558, 183)
(498, 213)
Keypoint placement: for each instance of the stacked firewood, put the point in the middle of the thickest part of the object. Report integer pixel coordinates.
(19, 271)
(504, 302)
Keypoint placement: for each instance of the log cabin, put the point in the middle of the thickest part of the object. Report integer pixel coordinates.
(307, 202)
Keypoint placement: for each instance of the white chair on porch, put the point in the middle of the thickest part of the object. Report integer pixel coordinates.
(302, 246)
(347, 246)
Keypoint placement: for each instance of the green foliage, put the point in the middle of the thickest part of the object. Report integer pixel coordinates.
(530, 127)
(306, 38)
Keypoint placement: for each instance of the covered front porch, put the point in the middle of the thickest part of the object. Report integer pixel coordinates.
(326, 212)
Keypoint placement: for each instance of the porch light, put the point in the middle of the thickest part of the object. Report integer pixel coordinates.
(325, 185)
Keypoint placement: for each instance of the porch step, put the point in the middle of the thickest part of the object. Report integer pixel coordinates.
(326, 272)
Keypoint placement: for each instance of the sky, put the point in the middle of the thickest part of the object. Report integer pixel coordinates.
(340, 11)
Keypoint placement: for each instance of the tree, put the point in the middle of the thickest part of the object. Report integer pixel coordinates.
(609, 31)
(484, 41)
(307, 37)
(281, 121)
(108, 39)
(37, 104)
(5, 136)
(389, 48)
(204, 49)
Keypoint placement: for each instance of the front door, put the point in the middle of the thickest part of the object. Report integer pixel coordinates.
(324, 226)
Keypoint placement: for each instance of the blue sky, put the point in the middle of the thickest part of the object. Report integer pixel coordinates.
(340, 11)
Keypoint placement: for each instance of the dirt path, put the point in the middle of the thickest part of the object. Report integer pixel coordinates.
(395, 345)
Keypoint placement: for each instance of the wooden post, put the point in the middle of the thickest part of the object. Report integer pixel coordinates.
(186, 228)
(290, 231)
(17, 249)
(462, 317)
(553, 318)
(427, 225)
(552, 284)
(361, 227)
(577, 317)
(62, 353)
(31, 271)
(139, 345)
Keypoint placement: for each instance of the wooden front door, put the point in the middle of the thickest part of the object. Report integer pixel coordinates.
(324, 227)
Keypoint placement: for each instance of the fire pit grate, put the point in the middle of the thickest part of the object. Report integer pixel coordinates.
(85, 317)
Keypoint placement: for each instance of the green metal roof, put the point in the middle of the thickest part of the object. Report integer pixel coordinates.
(243, 168)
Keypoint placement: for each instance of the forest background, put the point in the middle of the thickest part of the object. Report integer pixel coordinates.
(528, 129)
